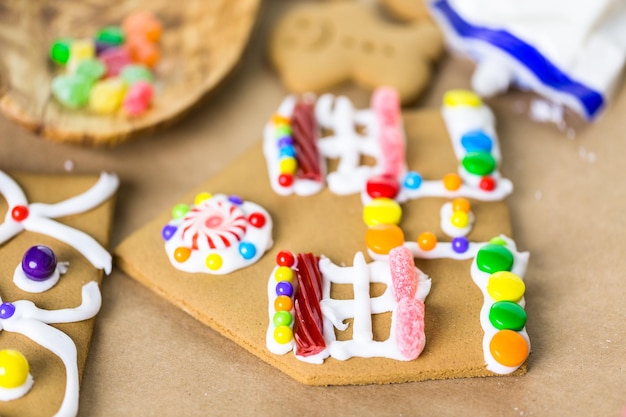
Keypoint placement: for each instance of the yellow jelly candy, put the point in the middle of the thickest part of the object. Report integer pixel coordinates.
(505, 286)
(214, 262)
(13, 369)
(202, 197)
(454, 98)
(383, 237)
(80, 50)
(283, 273)
(509, 348)
(459, 219)
(382, 211)
(288, 165)
(106, 96)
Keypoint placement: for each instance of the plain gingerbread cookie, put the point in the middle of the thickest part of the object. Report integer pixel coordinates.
(318, 46)
(407, 10)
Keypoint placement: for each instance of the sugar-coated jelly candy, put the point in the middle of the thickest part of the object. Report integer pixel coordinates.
(115, 60)
(113, 35)
(382, 211)
(39, 263)
(92, 69)
(454, 98)
(136, 72)
(509, 348)
(80, 50)
(506, 286)
(60, 51)
(107, 95)
(138, 98)
(143, 23)
(493, 258)
(383, 237)
(143, 51)
(14, 369)
(71, 90)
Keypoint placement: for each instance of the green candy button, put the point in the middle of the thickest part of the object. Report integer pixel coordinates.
(479, 163)
(494, 258)
(112, 35)
(506, 315)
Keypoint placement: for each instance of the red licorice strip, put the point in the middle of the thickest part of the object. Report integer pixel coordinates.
(304, 133)
(308, 326)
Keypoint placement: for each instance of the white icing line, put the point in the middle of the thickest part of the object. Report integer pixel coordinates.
(26, 284)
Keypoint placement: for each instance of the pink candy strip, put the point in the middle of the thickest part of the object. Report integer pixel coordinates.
(386, 105)
(409, 320)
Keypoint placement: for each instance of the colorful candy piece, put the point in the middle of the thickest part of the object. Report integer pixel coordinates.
(427, 241)
(138, 98)
(507, 315)
(487, 183)
(283, 273)
(107, 95)
(479, 163)
(214, 262)
(476, 141)
(136, 72)
(247, 250)
(461, 204)
(382, 238)
(181, 254)
(452, 181)
(143, 51)
(509, 348)
(412, 180)
(92, 69)
(80, 50)
(460, 244)
(283, 334)
(385, 186)
(506, 286)
(403, 273)
(285, 258)
(179, 211)
(39, 263)
(257, 220)
(71, 90)
(112, 35)
(457, 98)
(282, 318)
(60, 51)
(410, 327)
(14, 369)
(493, 258)
(115, 60)
(382, 211)
(144, 24)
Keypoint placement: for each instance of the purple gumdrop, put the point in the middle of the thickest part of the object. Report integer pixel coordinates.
(39, 263)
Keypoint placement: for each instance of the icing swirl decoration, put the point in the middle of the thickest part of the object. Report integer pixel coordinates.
(213, 225)
(218, 234)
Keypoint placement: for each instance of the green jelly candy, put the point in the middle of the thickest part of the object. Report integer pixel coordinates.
(507, 315)
(92, 69)
(494, 258)
(112, 35)
(60, 51)
(479, 163)
(71, 90)
(133, 73)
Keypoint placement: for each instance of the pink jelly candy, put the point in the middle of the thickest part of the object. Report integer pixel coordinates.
(138, 98)
(115, 59)
(410, 327)
(403, 273)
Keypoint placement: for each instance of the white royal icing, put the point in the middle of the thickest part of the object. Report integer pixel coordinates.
(26, 284)
(33, 323)
(40, 215)
(231, 225)
(449, 228)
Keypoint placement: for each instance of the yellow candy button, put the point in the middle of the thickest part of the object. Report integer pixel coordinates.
(288, 165)
(459, 219)
(505, 286)
(283, 334)
(283, 273)
(382, 211)
(456, 98)
(214, 261)
(203, 196)
(13, 369)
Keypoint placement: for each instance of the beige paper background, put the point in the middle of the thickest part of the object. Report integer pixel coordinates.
(149, 358)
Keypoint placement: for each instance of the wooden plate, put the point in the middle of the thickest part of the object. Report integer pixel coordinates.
(202, 41)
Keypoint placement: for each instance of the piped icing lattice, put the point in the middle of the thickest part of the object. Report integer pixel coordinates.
(300, 304)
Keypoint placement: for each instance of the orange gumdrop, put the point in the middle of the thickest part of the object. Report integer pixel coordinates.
(427, 240)
(144, 24)
(508, 348)
(461, 204)
(383, 237)
(452, 181)
(143, 51)
(283, 303)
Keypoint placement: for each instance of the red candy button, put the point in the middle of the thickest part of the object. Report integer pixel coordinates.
(19, 213)
(382, 186)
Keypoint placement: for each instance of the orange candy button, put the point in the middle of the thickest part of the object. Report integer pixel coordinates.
(461, 204)
(383, 237)
(452, 182)
(283, 303)
(427, 241)
(181, 254)
(509, 348)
